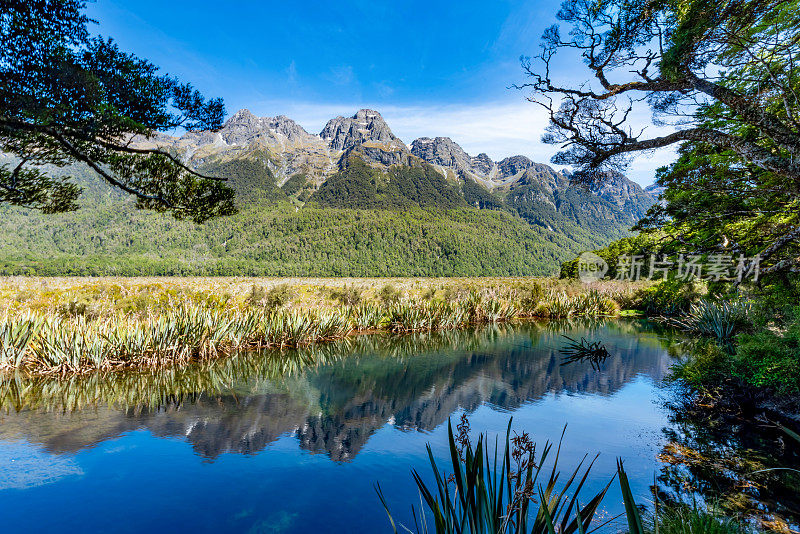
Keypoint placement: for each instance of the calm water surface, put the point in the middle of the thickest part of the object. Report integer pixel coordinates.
(294, 442)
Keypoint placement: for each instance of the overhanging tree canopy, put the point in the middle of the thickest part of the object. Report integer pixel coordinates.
(727, 72)
(67, 97)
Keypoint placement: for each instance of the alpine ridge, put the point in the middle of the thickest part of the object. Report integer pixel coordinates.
(289, 150)
(353, 200)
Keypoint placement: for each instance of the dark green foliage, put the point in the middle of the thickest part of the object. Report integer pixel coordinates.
(714, 197)
(477, 195)
(395, 237)
(590, 211)
(66, 97)
(734, 187)
(423, 186)
(668, 297)
(250, 177)
(640, 245)
(355, 186)
(113, 239)
(525, 200)
(706, 367)
(572, 208)
(295, 184)
(766, 361)
(360, 186)
(769, 359)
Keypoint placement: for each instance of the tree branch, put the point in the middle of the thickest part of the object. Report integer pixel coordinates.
(80, 156)
(52, 132)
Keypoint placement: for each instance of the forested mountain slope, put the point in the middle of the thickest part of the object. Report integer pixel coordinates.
(354, 200)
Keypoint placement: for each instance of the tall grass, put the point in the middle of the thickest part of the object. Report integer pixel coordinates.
(16, 335)
(511, 490)
(246, 371)
(560, 305)
(176, 328)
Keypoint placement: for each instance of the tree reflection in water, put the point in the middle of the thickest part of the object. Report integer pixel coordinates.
(731, 461)
(333, 397)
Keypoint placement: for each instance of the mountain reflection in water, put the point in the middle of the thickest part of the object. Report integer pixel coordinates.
(332, 397)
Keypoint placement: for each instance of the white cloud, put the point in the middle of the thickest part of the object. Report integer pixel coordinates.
(500, 129)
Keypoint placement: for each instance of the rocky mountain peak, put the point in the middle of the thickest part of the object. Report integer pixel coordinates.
(441, 151)
(366, 135)
(367, 115)
(244, 127)
(366, 125)
(482, 163)
(243, 114)
(514, 165)
(286, 126)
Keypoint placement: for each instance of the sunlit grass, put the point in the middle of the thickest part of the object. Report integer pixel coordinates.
(76, 325)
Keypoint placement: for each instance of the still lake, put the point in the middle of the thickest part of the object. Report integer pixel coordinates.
(294, 441)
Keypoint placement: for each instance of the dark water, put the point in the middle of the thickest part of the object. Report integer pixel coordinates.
(294, 442)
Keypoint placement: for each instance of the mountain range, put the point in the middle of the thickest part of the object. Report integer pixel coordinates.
(290, 152)
(352, 200)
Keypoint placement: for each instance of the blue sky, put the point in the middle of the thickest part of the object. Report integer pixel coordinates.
(430, 67)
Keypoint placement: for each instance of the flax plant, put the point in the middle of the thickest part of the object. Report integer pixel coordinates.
(187, 326)
(508, 490)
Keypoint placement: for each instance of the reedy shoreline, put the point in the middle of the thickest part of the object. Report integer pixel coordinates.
(66, 332)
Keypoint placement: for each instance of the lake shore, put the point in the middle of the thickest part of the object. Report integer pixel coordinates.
(76, 325)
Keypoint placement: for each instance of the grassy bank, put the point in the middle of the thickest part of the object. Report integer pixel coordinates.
(746, 354)
(73, 325)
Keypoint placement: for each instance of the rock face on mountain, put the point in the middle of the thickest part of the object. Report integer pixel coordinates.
(289, 150)
(513, 165)
(366, 126)
(244, 128)
(441, 151)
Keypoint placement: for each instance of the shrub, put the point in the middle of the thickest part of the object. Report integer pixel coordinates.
(721, 319)
(530, 295)
(257, 294)
(766, 359)
(276, 297)
(428, 294)
(347, 296)
(389, 295)
(706, 366)
(666, 298)
(769, 359)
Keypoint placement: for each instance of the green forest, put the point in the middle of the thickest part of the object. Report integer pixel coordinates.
(362, 221)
